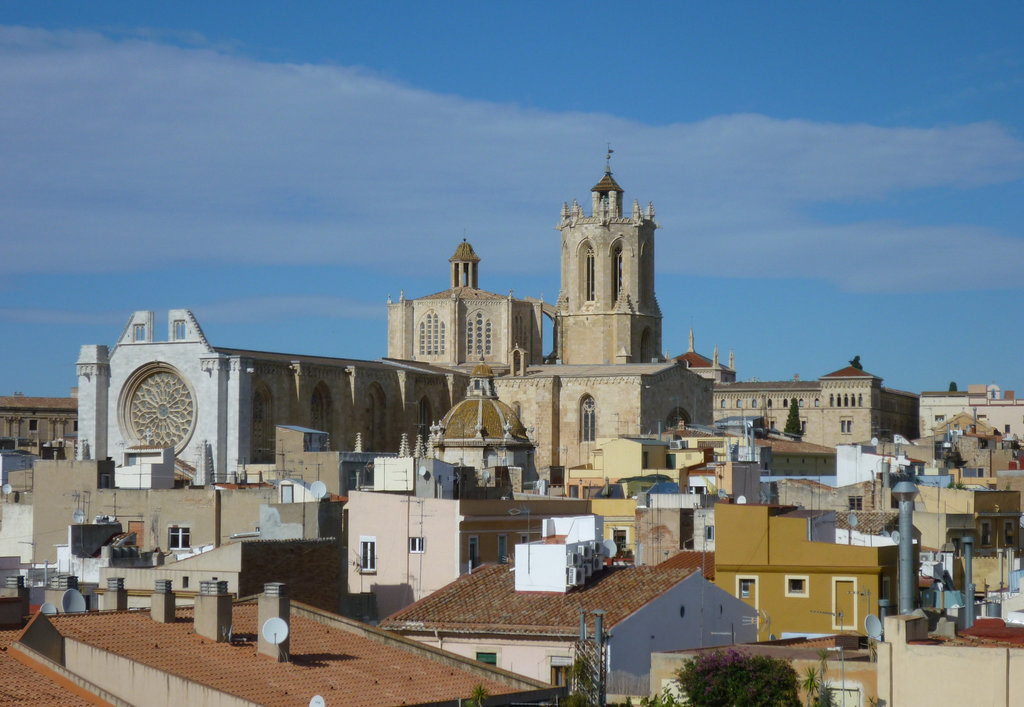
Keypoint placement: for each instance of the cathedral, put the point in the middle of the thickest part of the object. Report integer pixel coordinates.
(603, 375)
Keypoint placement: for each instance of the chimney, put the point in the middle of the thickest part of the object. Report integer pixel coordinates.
(116, 597)
(15, 587)
(212, 614)
(274, 604)
(58, 585)
(162, 602)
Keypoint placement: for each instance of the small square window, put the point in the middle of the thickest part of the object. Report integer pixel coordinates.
(33, 425)
(179, 537)
(416, 544)
(796, 586)
(747, 588)
(856, 503)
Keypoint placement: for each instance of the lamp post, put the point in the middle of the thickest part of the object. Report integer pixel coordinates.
(905, 491)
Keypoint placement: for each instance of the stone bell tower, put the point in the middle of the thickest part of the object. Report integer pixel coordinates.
(606, 310)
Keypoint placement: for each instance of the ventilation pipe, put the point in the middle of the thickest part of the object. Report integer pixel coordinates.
(274, 604)
(968, 542)
(904, 492)
(116, 596)
(14, 587)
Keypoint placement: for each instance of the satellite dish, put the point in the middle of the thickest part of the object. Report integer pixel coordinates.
(78, 517)
(275, 630)
(424, 472)
(741, 500)
(72, 602)
(610, 548)
(48, 609)
(7, 488)
(873, 627)
(318, 489)
(895, 536)
(317, 701)
(852, 520)
(722, 494)
(874, 441)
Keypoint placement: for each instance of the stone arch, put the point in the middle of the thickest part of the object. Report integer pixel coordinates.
(320, 408)
(586, 255)
(263, 440)
(424, 416)
(675, 416)
(616, 269)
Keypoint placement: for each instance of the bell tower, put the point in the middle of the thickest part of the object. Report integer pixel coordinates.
(606, 310)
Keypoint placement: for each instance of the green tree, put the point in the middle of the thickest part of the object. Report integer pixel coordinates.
(479, 695)
(855, 362)
(952, 386)
(734, 679)
(793, 421)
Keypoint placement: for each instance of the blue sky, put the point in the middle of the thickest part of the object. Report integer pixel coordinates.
(832, 179)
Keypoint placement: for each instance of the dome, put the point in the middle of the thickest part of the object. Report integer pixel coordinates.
(491, 414)
(482, 370)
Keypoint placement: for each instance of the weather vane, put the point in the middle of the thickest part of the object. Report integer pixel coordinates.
(608, 158)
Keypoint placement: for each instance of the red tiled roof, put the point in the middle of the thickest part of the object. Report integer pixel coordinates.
(993, 629)
(607, 183)
(344, 666)
(849, 372)
(465, 293)
(694, 360)
(21, 401)
(20, 684)
(692, 560)
(487, 602)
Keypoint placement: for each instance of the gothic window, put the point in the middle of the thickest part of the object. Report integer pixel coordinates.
(320, 409)
(860, 400)
(588, 275)
(478, 336)
(376, 418)
(423, 428)
(263, 440)
(616, 272)
(647, 352)
(588, 419)
(431, 336)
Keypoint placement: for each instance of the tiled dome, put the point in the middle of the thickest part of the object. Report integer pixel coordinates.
(491, 414)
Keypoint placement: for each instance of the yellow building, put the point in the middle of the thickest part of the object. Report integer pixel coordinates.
(763, 555)
(619, 521)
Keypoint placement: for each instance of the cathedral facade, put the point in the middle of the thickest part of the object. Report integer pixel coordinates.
(603, 377)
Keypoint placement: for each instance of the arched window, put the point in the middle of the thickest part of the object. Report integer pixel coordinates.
(320, 408)
(831, 400)
(846, 401)
(739, 403)
(647, 352)
(431, 336)
(617, 272)
(589, 284)
(769, 403)
(817, 402)
(722, 404)
(801, 403)
(785, 402)
(860, 400)
(376, 418)
(423, 426)
(588, 419)
(262, 426)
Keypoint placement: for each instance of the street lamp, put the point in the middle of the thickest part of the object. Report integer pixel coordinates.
(905, 491)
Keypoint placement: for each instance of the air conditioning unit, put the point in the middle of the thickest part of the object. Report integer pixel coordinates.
(588, 568)
(597, 563)
(588, 552)
(573, 576)
(676, 444)
(572, 559)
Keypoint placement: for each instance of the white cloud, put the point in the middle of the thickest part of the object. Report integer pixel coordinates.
(125, 152)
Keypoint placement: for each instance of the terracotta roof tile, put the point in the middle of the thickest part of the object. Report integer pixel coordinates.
(487, 602)
(20, 684)
(607, 183)
(22, 401)
(345, 667)
(465, 293)
(789, 446)
(849, 372)
(694, 360)
(691, 561)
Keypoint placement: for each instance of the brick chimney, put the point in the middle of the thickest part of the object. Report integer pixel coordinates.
(116, 596)
(273, 603)
(212, 614)
(162, 602)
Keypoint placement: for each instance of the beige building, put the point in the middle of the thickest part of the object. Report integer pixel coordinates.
(710, 368)
(35, 423)
(842, 407)
(985, 404)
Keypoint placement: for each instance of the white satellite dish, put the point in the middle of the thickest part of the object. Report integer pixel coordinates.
(317, 701)
(895, 536)
(873, 627)
(48, 609)
(852, 520)
(72, 602)
(610, 548)
(874, 441)
(318, 489)
(741, 500)
(275, 630)
(78, 517)
(424, 472)
(7, 488)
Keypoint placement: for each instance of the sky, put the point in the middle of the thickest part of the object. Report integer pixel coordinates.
(831, 179)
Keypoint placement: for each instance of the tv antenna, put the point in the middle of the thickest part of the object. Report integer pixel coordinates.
(78, 517)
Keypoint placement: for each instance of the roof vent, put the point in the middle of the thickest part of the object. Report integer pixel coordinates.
(212, 617)
(275, 589)
(16, 582)
(115, 598)
(64, 581)
(115, 583)
(162, 602)
(163, 586)
(213, 587)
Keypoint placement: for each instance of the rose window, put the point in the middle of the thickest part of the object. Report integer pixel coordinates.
(161, 410)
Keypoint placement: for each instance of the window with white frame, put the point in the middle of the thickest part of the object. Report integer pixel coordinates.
(416, 544)
(747, 587)
(179, 537)
(797, 585)
(367, 554)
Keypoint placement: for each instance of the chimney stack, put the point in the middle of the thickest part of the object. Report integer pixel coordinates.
(162, 602)
(212, 614)
(15, 587)
(58, 585)
(273, 603)
(116, 596)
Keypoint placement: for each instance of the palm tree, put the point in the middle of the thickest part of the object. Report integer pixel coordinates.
(811, 684)
(479, 695)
